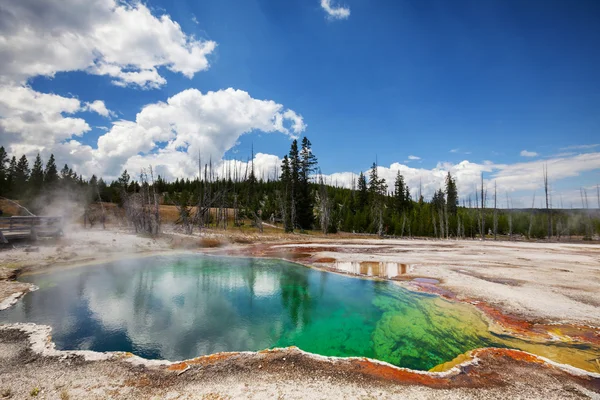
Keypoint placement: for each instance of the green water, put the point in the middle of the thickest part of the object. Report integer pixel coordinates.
(179, 307)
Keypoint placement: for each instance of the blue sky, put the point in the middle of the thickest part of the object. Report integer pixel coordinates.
(443, 81)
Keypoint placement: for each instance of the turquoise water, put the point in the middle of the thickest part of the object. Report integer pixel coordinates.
(179, 307)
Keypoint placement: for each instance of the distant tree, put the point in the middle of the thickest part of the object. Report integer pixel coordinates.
(50, 173)
(401, 195)
(253, 206)
(3, 172)
(10, 176)
(286, 195)
(104, 191)
(21, 176)
(363, 192)
(36, 179)
(65, 173)
(438, 200)
(377, 193)
(547, 192)
(123, 180)
(308, 163)
(483, 200)
(294, 160)
(451, 195)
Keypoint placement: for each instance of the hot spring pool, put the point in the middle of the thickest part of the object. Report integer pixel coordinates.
(182, 306)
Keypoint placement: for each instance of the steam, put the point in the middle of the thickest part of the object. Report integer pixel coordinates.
(18, 205)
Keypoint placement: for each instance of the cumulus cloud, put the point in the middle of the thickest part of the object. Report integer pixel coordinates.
(128, 43)
(99, 107)
(335, 12)
(525, 153)
(30, 120)
(520, 179)
(191, 123)
(169, 135)
(124, 41)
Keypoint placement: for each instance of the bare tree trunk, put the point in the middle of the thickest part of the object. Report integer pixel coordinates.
(509, 210)
(482, 209)
(156, 203)
(495, 212)
(548, 213)
(441, 218)
(447, 224)
(531, 217)
(589, 230)
(434, 224)
(325, 207)
(403, 224)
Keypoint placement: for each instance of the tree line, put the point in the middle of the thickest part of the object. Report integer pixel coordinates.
(299, 200)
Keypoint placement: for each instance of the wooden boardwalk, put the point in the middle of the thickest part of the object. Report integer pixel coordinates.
(12, 228)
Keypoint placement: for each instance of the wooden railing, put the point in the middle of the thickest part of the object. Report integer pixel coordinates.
(32, 227)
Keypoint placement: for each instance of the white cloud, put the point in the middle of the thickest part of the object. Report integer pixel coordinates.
(454, 151)
(581, 147)
(33, 120)
(334, 12)
(99, 107)
(169, 135)
(411, 157)
(194, 123)
(520, 178)
(104, 37)
(525, 153)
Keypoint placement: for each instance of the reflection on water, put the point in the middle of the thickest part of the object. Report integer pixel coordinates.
(372, 268)
(180, 307)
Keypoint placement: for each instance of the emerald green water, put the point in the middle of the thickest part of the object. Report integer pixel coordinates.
(180, 307)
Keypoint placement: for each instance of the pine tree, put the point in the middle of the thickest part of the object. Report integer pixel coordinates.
(65, 173)
(308, 162)
(21, 176)
(400, 190)
(253, 198)
(451, 195)
(36, 180)
(3, 172)
(68, 180)
(294, 161)
(124, 180)
(286, 195)
(10, 176)
(363, 192)
(438, 201)
(377, 193)
(50, 173)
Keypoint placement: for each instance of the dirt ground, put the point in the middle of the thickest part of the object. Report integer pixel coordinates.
(546, 289)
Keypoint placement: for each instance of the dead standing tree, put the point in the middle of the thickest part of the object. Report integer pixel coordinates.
(142, 208)
(482, 210)
(377, 191)
(531, 216)
(509, 211)
(182, 202)
(548, 212)
(324, 205)
(495, 212)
